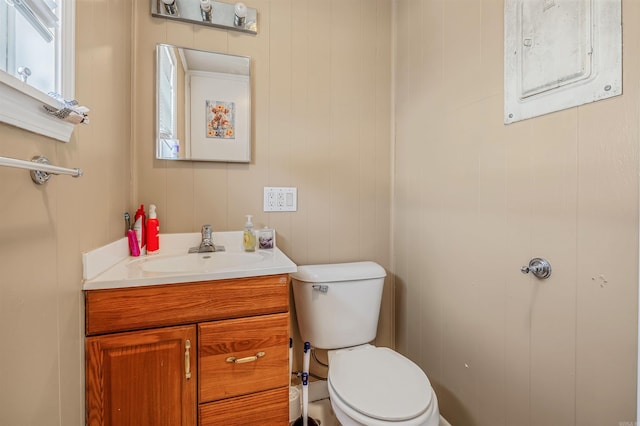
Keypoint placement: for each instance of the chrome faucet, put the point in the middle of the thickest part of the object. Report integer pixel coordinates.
(207, 239)
(206, 245)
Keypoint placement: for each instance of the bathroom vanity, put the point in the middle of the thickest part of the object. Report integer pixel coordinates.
(190, 351)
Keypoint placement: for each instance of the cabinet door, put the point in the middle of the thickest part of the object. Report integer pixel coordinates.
(142, 378)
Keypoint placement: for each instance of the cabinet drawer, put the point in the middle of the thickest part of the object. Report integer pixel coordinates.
(134, 308)
(242, 338)
(264, 408)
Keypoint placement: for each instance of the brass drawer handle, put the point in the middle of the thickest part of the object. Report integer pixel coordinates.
(246, 359)
(187, 360)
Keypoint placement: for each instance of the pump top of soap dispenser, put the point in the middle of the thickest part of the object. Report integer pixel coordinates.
(249, 224)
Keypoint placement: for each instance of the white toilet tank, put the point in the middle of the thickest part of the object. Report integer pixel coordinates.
(337, 305)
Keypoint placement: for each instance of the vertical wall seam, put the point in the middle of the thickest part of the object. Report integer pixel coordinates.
(576, 276)
(392, 161)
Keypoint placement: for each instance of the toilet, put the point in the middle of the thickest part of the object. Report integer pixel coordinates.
(337, 308)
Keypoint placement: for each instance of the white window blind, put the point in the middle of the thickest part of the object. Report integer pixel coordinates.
(40, 14)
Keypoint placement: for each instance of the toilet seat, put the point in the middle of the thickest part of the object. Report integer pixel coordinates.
(379, 383)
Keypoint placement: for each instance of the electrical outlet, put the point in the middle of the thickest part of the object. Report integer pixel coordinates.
(270, 198)
(280, 199)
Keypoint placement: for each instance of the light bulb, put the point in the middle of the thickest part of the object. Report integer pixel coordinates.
(241, 10)
(205, 10)
(170, 6)
(241, 14)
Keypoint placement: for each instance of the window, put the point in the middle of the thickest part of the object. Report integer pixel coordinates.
(30, 42)
(167, 103)
(36, 58)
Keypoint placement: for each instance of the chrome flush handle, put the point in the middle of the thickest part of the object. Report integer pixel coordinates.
(539, 267)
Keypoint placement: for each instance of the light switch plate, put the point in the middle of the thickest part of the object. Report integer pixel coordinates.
(280, 199)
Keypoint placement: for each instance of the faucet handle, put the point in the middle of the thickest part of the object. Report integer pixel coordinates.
(206, 232)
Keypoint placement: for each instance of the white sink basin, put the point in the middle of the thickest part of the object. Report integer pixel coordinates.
(111, 266)
(200, 262)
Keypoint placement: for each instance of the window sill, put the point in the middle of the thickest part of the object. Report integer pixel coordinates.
(21, 106)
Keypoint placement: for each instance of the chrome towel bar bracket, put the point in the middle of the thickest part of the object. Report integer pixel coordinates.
(40, 168)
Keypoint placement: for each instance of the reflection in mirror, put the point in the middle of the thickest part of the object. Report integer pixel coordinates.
(203, 105)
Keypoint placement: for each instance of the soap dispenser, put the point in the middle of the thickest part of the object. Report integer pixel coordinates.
(249, 237)
(153, 231)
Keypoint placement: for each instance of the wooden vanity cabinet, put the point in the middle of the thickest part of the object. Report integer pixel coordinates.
(206, 353)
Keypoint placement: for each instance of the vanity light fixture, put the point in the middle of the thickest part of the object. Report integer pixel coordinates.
(236, 17)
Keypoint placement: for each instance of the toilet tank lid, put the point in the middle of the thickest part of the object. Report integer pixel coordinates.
(339, 272)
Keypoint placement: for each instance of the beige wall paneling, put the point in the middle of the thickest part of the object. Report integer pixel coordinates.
(103, 150)
(41, 307)
(300, 104)
(278, 156)
(553, 235)
(426, 59)
(489, 278)
(516, 236)
(607, 264)
(404, 228)
(380, 244)
(28, 308)
(103, 83)
(375, 161)
(500, 347)
(315, 194)
(344, 210)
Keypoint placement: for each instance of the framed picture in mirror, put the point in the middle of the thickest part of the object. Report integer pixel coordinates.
(218, 117)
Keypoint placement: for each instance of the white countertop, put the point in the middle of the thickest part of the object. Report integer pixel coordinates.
(111, 266)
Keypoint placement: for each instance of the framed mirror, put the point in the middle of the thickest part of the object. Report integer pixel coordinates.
(203, 105)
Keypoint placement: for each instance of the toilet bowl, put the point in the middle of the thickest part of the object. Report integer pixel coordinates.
(377, 386)
(337, 307)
